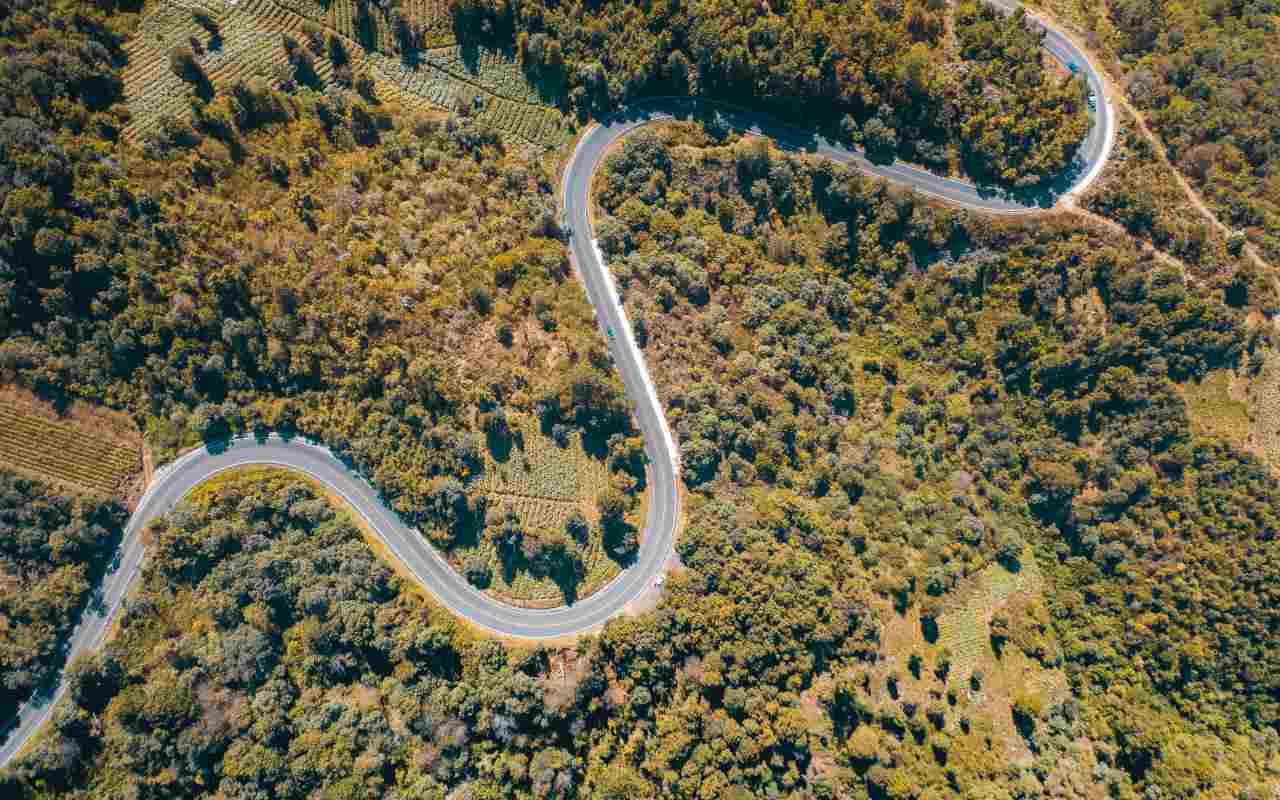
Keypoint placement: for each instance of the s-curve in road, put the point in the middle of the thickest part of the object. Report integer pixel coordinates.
(171, 484)
(175, 481)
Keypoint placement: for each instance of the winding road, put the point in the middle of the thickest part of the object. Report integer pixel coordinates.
(173, 482)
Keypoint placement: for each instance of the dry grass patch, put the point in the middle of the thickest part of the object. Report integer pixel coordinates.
(1263, 405)
(538, 468)
(965, 631)
(986, 684)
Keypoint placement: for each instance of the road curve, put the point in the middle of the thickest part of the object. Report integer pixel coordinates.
(1090, 157)
(173, 482)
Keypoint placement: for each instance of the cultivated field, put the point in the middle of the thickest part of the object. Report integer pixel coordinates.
(964, 632)
(545, 484)
(966, 629)
(249, 43)
(64, 452)
(543, 470)
(1217, 405)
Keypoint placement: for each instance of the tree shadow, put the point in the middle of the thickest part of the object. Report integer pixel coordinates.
(621, 541)
(564, 574)
(203, 87)
(468, 528)
(366, 29)
(552, 85)
(717, 115)
(502, 443)
(929, 629)
(469, 52)
(595, 443)
(509, 561)
(567, 581)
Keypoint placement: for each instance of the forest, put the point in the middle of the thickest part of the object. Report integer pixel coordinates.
(54, 547)
(1004, 395)
(882, 74)
(1207, 77)
(395, 289)
(994, 387)
(880, 402)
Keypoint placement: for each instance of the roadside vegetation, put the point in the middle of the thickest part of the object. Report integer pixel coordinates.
(550, 497)
(879, 75)
(1205, 75)
(54, 547)
(967, 514)
(390, 284)
(1142, 194)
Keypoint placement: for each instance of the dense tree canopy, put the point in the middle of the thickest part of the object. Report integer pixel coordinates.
(880, 72)
(1207, 76)
(896, 399)
(53, 548)
(292, 261)
(874, 355)
(881, 403)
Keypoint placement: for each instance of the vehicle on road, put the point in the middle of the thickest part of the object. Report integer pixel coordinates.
(609, 330)
(1074, 67)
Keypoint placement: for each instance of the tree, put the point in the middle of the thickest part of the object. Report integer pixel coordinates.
(881, 141)
(503, 527)
(616, 781)
(552, 553)
(183, 63)
(576, 526)
(477, 570)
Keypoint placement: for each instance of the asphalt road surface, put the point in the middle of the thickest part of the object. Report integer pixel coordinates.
(173, 482)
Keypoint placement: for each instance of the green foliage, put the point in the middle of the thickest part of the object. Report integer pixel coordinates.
(321, 285)
(881, 404)
(1206, 74)
(57, 77)
(1025, 414)
(53, 548)
(1021, 122)
(882, 66)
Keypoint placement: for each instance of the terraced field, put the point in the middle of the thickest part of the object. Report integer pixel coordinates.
(430, 17)
(64, 452)
(249, 44)
(541, 469)
(545, 484)
(492, 70)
